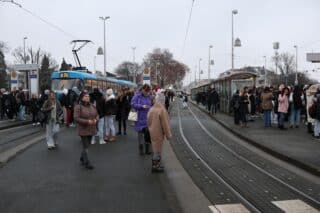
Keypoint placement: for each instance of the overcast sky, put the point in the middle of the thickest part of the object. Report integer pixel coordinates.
(147, 24)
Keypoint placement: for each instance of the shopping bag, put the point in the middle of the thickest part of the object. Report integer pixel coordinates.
(133, 116)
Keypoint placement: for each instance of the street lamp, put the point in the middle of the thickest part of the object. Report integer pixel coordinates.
(24, 49)
(199, 68)
(234, 43)
(134, 67)
(104, 42)
(265, 70)
(209, 61)
(296, 79)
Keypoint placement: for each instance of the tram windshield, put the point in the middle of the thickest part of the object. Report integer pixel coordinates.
(60, 84)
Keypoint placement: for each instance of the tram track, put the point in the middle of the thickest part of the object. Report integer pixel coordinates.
(14, 136)
(256, 170)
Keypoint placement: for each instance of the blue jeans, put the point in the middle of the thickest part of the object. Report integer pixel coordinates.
(267, 118)
(21, 114)
(295, 117)
(281, 119)
(109, 125)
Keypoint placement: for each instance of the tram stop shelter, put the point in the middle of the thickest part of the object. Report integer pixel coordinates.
(25, 76)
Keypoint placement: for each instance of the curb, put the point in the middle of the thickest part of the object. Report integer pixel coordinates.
(8, 155)
(15, 125)
(268, 150)
(190, 198)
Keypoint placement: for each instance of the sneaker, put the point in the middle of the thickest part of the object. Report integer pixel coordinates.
(101, 141)
(34, 124)
(38, 123)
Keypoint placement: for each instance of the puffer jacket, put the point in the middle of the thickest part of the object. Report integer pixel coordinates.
(137, 102)
(82, 115)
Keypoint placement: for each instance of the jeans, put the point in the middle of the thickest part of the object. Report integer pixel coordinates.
(101, 127)
(22, 113)
(316, 127)
(51, 137)
(281, 119)
(267, 118)
(109, 123)
(85, 140)
(295, 117)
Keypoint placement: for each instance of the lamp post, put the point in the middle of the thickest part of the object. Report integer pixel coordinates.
(134, 66)
(209, 61)
(234, 12)
(296, 79)
(104, 43)
(265, 70)
(199, 68)
(24, 49)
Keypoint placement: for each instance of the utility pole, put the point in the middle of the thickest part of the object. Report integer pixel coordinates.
(104, 43)
(134, 65)
(209, 61)
(24, 49)
(296, 79)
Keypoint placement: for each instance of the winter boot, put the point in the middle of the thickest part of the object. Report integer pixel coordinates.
(89, 166)
(141, 149)
(147, 149)
(156, 167)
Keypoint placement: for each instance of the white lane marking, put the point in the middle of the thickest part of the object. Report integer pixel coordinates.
(210, 169)
(229, 208)
(252, 164)
(295, 206)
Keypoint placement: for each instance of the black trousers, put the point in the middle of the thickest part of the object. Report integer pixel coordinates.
(124, 123)
(85, 140)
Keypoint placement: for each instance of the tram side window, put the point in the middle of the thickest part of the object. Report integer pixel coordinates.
(94, 84)
(87, 85)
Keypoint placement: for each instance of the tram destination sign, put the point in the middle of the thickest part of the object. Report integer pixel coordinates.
(64, 75)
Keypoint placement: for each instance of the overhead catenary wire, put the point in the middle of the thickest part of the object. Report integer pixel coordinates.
(188, 27)
(40, 18)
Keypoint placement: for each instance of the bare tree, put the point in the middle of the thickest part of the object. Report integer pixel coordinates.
(127, 70)
(164, 68)
(285, 63)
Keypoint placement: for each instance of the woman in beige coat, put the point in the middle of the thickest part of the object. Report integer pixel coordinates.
(159, 128)
(86, 115)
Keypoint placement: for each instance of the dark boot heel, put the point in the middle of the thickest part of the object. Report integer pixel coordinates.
(147, 149)
(82, 161)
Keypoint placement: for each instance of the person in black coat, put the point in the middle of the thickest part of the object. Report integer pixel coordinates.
(35, 108)
(213, 99)
(123, 109)
(243, 109)
(98, 100)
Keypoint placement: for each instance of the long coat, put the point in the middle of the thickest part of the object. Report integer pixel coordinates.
(159, 126)
(266, 101)
(82, 115)
(137, 102)
(123, 110)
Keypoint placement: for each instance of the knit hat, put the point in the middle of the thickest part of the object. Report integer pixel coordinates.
(160, 98)
(109, 91)
(65, 91)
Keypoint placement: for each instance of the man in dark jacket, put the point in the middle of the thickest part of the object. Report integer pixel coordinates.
(97, 99)
(213, 100)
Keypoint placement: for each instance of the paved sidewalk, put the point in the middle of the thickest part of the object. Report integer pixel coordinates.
(295, 146)
(39, 180)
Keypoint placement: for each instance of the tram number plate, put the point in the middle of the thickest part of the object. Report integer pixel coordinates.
(64, 75)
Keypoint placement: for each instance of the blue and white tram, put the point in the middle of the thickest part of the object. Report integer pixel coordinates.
(79, 80)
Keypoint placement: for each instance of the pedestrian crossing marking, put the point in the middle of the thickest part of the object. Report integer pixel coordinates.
(229, 208)
(295, 206)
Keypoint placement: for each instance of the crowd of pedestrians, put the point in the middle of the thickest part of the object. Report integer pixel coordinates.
(94, 114)
(285, 107)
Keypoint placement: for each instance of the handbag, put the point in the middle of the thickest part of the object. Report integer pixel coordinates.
(133, 116)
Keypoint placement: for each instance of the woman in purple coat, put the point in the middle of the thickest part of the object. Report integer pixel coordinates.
(142, 102)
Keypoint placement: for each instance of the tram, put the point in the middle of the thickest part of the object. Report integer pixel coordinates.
(79, 80)
(227, 83)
